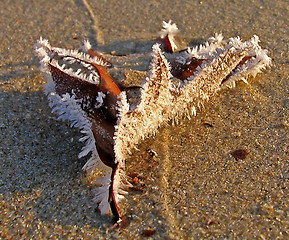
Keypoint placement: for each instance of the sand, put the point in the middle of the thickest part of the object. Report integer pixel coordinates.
(194, 187)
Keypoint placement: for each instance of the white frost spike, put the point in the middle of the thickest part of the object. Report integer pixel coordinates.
(218, 39)
(169, 30)
(102, 194)
(86, 45)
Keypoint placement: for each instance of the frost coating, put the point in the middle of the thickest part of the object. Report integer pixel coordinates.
(200, 72)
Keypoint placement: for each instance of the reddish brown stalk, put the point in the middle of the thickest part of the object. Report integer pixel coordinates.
(107, 83)
(113, 203)
(103, 132)
(166, 43)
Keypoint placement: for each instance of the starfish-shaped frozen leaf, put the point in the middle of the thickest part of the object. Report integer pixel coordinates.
(176, 86)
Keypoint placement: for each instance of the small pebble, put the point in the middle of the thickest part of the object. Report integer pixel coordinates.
(240, 154)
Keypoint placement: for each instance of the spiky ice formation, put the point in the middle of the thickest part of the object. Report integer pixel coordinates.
(112, 128)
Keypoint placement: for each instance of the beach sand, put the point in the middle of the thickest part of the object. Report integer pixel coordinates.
(194, 187)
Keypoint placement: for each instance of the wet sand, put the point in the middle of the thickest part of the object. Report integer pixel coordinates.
(194, 187)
